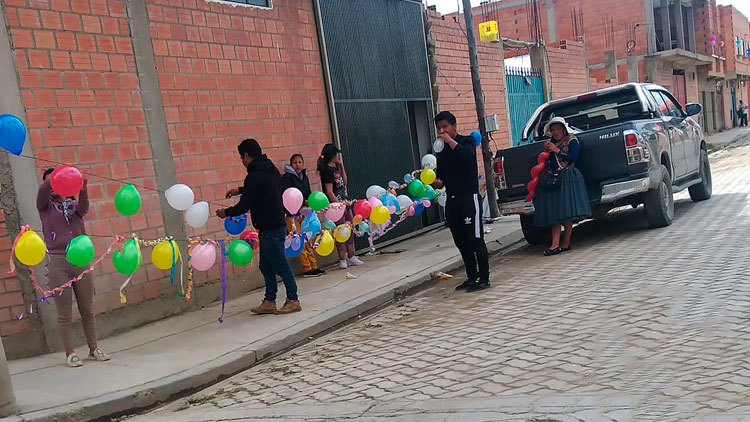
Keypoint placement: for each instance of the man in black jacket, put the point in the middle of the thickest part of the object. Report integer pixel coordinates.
(457, 171)
(261, 195)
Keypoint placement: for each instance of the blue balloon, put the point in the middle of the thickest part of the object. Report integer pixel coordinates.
(389, 200)
(477, 137)
(235, 225)
(418, 209)
(12, 134)
(311, 225)
(294, 246)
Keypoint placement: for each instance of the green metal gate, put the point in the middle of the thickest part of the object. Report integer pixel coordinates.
(525, 94)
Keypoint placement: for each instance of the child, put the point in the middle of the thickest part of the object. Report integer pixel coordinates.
(333, 179)
(62, 220)
(295, 176)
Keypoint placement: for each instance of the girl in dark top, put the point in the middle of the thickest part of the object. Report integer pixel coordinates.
(333, 180)
(557, 207)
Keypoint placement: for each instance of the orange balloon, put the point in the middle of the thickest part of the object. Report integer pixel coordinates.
(357, 219)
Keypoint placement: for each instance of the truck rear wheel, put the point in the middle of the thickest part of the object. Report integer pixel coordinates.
(702, 190)
(659, 202)
(534, 235)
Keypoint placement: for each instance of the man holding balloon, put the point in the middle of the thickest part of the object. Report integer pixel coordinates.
(261, 195)
(457, 172)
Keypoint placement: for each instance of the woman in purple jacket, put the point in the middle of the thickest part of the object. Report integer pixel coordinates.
(62, 220)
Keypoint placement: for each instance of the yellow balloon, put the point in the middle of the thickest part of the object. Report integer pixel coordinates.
(428, 176)
(380, 215)
(30, 249)
(161, 255)
(342, 233)
(325, 247)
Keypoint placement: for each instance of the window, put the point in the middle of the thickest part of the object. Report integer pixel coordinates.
(660, 103)
(261, 3)
(671, 104)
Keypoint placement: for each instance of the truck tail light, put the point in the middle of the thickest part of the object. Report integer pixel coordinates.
(631, 140)
(636, 148)
(498, 167)
(499, 173)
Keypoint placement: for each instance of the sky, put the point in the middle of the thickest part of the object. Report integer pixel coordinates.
(449, 6)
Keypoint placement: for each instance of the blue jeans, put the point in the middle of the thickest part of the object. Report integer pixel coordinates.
(273, 261)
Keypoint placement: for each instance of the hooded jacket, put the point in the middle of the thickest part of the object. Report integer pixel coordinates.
(261, 195)
(457, 167)
(291, 179)
(62, 220)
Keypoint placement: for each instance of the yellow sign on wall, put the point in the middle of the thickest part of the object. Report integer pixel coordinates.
(488, 32)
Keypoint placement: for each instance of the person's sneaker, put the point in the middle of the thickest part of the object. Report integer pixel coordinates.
(354, 262)
(73, 360)
(289, 307)
(343, 265)
(98, 355)
(311, 273)
(267, 307)
(463, 285)
(478, 285)
(319, 271)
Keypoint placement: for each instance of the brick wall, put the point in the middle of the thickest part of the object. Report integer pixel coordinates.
(567, 69)
(735, 24)
(11, 298)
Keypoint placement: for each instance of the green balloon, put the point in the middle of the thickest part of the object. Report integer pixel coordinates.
(128, 200)
(240, 252)
(80, 251)
(318, 201)
(416, 189)
(330, 225)
(364, 227)
(430, 192)
(129, 260)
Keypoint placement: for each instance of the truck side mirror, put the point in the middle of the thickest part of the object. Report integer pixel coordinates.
(693, 108)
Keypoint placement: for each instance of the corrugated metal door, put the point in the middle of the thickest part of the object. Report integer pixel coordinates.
(525, 95)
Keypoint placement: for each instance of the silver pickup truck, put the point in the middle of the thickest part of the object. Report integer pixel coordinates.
(638, 146)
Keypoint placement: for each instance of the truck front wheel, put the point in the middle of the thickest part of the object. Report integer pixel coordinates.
(702, 190)
(534, 235)
(659, 202)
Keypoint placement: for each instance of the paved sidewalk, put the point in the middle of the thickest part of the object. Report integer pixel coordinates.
(727, 138)
(169, 357)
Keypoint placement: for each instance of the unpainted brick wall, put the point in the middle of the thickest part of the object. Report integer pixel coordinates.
(567, 68)
(11, 298)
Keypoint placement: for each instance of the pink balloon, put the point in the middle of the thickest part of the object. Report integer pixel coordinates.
(427, 203)
(375, 202)
(293, 200)
(335, 212)
(203, 256)
(392, 209)
(410, 211)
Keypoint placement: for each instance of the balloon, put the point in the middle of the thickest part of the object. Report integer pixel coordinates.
(363, 208)
(325, 245)
(293, 200)
(66, 180)
(392, 209)
(30, 249)
(318, 201)
(357, 219)
(429, 161)
(330, 225)
(197, 215)
(426, 203)
(393, 185)
(477, 137)
(438, 146)
(336, 211)
(180, 197)
(165, 254)
(375, 191)
(203, 256)
(342, 233)
(128, 200)
(311, 225)
(129, 260)
(389, 200)
(375, 202)
(416, 189)
(294, 245)
(407, 178)
(12, 134)
(430, 192)
(251, 237)
(404, 202)
(442, 199)
(364, 227)
(240, 253)
(427, 176)
(418, 209)
(80, 251)
(235, 225)
(410, 211)
(380, 215)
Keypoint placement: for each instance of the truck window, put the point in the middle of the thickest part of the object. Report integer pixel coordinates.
(674, 106)
(660, 103)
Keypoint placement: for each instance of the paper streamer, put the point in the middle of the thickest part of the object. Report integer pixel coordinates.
(223, 280)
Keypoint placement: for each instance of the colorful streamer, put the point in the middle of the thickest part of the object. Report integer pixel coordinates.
(223, 280)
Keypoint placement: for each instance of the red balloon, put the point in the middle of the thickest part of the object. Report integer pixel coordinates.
(66, 180)
(362, 208)
(535, 172)
(251, 237)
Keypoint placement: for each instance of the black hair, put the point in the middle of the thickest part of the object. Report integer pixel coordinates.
(296, 156)
(250, 147)
(329, 151)
(47, 173)
(445, 116)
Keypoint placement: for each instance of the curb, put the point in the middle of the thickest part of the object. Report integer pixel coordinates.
(147, 395)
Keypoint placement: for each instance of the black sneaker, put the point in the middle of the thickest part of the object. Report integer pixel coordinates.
(463, 285)
(478, 285)
(319, 271)
(311, 273)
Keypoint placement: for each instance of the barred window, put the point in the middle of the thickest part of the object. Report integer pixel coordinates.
(262, 3)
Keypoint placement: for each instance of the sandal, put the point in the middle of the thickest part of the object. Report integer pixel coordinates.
(98, 355)
(73, 361)
(566, 249)
(550, 252)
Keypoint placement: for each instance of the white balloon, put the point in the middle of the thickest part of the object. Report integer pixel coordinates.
(438, 146)
(375, 191)
(197, 215)
(442, 199)
(393, 185)
(404, 202)
(180, 197)
(429, 161)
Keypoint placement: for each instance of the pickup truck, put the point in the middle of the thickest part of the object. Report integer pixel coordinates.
(638, 146)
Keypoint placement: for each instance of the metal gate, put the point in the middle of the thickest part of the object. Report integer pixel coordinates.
(525, 94)
(377, 59)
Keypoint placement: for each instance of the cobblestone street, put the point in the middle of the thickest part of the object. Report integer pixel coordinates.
(634, 324)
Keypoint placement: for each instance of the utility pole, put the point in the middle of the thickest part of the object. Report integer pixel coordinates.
(479, 100)
(7, 398)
